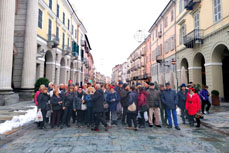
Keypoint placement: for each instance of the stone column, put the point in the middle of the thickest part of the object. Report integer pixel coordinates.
(30, 47)
(7, 17)
(214, 77)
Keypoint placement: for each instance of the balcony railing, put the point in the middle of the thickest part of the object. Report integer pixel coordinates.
(67, 50)
(189, 4)
(53, 41)
(194, 37)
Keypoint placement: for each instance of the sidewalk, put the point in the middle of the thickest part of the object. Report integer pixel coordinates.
(8, 112)
(218, 119)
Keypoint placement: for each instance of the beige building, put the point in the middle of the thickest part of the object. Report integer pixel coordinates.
(202, 43)
(40, 38)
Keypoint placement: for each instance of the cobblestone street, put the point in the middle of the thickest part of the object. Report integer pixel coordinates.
(117, 140)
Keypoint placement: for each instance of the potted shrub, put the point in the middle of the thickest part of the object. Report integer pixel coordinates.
(215, 98)
(39, 82)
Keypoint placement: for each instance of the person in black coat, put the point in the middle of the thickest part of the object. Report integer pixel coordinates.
(132, 115)
(56, 102)
(124, 95)
(98, 108)
(68, 106)
(181, 101)
(42, 100)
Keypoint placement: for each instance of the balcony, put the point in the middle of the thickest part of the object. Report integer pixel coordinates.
(160, 34)
(53, 41)
(143, 52)
(193, 38)
(189, 4)
(67, 50)
(159, 58)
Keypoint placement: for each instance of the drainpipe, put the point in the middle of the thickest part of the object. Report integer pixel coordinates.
(175, 38)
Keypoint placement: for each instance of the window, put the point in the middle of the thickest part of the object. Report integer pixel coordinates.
(197, 24)
(68, 24)
(217, 10)
(63, 18)
(40, 14)
(161, 27)
(63, 41)
(181, 6)
(50, 30)
(166, 22)
(172, 15)
(68, 42)
(156, 33)
(182, 33)
(50, 4)
(172, 43)
(57, 33)
(72, 29)
(58, 10)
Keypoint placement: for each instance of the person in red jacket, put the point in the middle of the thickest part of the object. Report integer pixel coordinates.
(142, 105)
(193, 106)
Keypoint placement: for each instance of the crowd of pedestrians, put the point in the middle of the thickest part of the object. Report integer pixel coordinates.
(140, 105)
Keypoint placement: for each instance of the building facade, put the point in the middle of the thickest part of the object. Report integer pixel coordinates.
(115, 74)
(202, 43)
(163, 33)
(47, 39)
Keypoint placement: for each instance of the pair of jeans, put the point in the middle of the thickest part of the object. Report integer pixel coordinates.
(81, 116)
(114, 116)
(163, 115)
(174, 114)
(205, 102)
(67, 115)
(183, 114)
(99, 117)
(142, 119)
(56, 118)
(132, 117)
(42, 124)
(90, 118)
(124, 114)
(154, 111)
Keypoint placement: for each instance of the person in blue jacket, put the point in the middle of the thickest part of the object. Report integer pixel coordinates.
(113, 99)
(204, 95)
(89, 103)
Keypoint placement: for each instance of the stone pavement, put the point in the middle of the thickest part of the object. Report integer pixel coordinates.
(117, 139)
(218, 119)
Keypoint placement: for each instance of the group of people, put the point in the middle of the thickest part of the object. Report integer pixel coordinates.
(92, 104)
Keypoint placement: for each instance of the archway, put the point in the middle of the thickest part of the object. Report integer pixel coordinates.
(48, 66)
(220, 57)
(199, 73)
(184, 71)
(62, 71)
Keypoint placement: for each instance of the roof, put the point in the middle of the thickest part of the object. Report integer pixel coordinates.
(88, 42)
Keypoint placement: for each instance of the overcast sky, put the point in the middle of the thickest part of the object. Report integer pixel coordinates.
(112, 24)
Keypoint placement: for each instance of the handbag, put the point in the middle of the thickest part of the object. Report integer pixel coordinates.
(105, 105)
(143, 108)
(132, 107)
(119, 107)
(83, 107)
(39, 117)
(199, 115)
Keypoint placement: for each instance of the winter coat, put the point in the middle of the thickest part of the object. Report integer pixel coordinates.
(35, 97)
(68, 99)
(55, 102)
(124, 95)
(193, 104)
(142, 99)
(133, 98)
(204, 94)
(78, 100)
(168, 98)
(153, 98)
(181, 99)
(88, 100)
(113, 104)
(98, 101)
(105, 95)
(43, 101)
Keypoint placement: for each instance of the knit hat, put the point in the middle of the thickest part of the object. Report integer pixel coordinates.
(120, 82)
(125, 85)
(182, 85)
(191, 89)
(112, 87)
(167, 84)
(151, 84)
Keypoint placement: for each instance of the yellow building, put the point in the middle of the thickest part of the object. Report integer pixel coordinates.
(61, 35)
(202, 34)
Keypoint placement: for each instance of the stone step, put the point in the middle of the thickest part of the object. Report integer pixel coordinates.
(6, 117)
